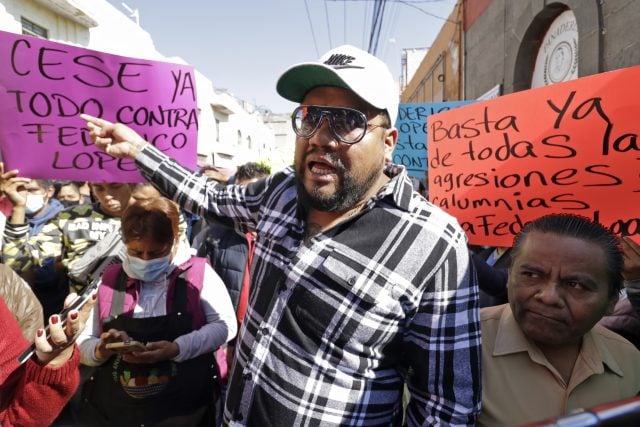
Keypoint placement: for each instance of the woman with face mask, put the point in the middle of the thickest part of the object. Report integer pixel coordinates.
(159, 317)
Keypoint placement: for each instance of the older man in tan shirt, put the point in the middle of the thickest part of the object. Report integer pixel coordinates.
(543, 354)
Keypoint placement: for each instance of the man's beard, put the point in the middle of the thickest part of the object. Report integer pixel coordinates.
(349, 191)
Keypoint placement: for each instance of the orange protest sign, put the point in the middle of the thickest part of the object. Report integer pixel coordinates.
(572, 147)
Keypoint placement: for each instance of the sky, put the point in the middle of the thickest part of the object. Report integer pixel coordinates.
(244, 45)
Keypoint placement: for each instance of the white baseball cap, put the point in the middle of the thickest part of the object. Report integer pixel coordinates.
(347, 67)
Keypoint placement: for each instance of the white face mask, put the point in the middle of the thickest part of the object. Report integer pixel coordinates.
(146, 270)
(35, 202)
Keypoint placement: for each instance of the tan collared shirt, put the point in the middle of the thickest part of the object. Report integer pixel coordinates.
(520, 385)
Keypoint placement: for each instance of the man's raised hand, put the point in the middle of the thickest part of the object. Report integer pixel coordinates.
(115, 139)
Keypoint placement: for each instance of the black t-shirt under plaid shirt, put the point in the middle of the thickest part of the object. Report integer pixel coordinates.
(337, 324)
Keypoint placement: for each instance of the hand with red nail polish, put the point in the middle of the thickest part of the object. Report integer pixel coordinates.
(56, 348)
(34, 388)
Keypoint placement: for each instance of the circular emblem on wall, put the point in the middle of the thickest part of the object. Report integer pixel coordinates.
(559, 62)
(557, 59)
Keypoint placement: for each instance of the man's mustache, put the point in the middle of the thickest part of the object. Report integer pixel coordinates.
(330, 157)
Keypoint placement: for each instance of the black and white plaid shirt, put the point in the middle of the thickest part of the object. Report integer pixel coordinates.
(337, 324)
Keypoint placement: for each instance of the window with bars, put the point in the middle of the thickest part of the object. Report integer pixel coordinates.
(32, 29)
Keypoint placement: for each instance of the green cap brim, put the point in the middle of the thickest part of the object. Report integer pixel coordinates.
(297, 81)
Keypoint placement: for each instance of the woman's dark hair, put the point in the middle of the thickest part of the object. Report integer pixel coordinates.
(582, 228)
(152, 219)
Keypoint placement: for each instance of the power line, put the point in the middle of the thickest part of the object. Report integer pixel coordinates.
(364, 22)
(344, 26)
(326, 14)
(398, 1)
(408, 3)
(378, 17)
(381, 21)
(388, 29)
(375, 15)
(313, 35)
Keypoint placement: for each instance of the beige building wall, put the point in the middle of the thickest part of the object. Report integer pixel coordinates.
(439, 76)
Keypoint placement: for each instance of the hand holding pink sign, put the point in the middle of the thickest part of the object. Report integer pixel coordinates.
(47, 85)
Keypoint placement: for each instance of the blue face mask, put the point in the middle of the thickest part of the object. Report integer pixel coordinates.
(146, 270)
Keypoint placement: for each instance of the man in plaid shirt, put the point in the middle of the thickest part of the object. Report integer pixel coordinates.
(359, 285)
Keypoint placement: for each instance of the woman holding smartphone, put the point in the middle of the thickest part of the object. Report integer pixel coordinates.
(159, 317)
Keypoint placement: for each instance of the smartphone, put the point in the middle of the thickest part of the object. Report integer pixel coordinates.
(77, 304)
(126, 346)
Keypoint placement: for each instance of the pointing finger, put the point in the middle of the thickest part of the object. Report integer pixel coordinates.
(96, 121)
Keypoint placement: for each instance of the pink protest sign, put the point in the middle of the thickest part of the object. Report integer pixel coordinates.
(44, 86)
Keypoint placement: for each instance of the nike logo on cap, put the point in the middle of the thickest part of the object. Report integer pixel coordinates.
(341, 61)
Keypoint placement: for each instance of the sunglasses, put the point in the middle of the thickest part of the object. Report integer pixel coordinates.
(346, 124)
